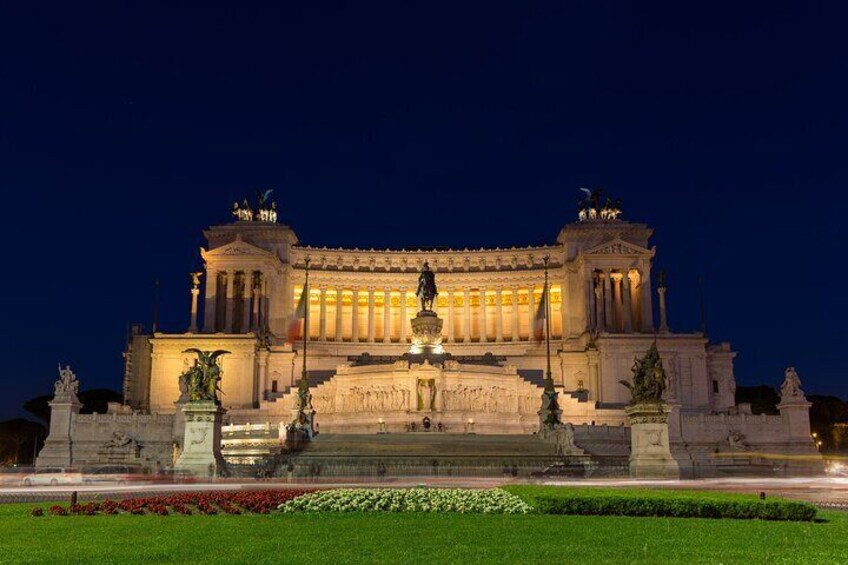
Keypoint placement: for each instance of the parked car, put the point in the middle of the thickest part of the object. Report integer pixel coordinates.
(174, 476)
(119, 474)
(12, 476)
(53, 476)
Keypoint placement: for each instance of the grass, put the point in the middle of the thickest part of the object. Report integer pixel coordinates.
(415, 538)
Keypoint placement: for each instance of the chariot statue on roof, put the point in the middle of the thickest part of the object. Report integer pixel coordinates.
(590, 207)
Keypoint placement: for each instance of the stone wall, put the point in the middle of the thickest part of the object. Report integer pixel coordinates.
(97, 438)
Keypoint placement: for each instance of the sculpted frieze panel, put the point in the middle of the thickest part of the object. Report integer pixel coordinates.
(373, 398)
(474, 398)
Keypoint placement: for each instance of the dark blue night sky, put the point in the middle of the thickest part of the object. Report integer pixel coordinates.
(127, 128)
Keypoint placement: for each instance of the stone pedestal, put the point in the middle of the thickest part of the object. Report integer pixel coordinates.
(797, 413)
(201, 454)
(57, 450)
(650, 453)
(426, 334)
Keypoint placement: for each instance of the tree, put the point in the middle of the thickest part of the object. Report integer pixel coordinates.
(93, 400)
(825, 412)
(18, 440)
(763, 398)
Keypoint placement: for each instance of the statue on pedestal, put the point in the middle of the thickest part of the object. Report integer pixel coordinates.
(427, 290)
(195, 279)
(67, 386)
(791, 387)
(649, 380)
(647, 414)
(201, 450)
(200, 382)
(426, 326)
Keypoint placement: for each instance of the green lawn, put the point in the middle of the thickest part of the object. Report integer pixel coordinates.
(414, 538)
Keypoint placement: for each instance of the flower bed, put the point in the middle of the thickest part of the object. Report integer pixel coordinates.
(471, 501)
(255, 502)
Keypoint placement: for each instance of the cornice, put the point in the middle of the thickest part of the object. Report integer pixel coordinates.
(409, 280)
(514, 259)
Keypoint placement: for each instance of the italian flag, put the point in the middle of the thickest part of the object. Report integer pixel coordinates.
(299, 316)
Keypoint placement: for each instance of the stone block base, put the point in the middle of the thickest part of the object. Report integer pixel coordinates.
(654, 468)
(201, 455)
(650, 452)
(55, 453)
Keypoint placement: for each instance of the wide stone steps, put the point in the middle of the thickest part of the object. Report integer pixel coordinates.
(427, 444)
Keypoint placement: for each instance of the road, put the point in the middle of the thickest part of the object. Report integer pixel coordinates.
(824, 491)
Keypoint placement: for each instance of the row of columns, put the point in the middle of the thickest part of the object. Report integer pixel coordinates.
(615, 301)
(235, 301)
(369, 333)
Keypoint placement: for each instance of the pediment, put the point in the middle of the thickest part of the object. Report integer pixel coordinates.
(618, 246)
(237, 248)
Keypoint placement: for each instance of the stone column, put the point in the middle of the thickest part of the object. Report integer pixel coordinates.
(209, 300)
(371, 313)
(618, 307)
(265, 302)
(403, 319)
(498, 315)
(516, 325)
(192, 325)
(230, 303)
(322, 322)
(483, 326)
(531, 312)
(608, 300)
(256, 283)
(600, 318)
(564, 295)
(592, 317)
(262, 358)
(645, 300)
(466, 316)
(354, 312)
(628, 307)
(595, 393)
(246, 291)
(450, 316)
(387, 315)
(338, 313)
(663, 319)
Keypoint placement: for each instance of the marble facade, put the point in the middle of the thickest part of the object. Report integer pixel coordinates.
(361, 303)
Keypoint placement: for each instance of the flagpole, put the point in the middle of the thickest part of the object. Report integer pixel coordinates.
(547, 299)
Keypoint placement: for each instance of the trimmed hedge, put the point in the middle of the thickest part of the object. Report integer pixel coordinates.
(682, 507)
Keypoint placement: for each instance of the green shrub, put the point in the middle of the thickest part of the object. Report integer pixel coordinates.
(677, 507)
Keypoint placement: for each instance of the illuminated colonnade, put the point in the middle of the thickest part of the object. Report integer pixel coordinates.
(471, 315)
